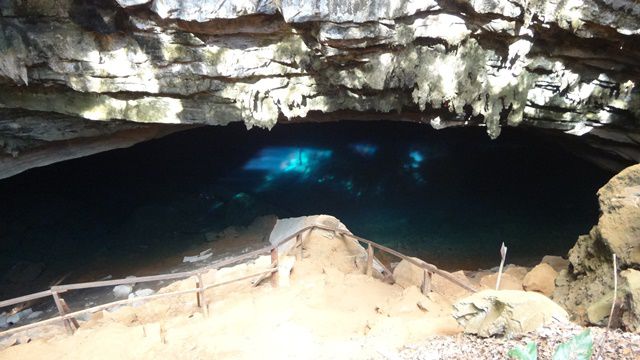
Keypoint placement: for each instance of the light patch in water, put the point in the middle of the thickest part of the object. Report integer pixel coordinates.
(364, 149)
(281, 159)
(417, 157)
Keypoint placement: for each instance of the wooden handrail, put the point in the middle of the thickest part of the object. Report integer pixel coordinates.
(138, 279)
(420, 263)
(24, 298)
(186, 274)
(127, 301)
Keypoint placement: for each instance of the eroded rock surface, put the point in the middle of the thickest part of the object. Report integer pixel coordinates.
(586, 288)
(506, 312)
(568, 66)
(541, 279)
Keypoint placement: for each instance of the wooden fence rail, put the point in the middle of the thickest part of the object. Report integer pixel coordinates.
(70, 323)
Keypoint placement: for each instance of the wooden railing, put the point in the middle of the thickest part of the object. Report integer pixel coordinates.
(70, 323)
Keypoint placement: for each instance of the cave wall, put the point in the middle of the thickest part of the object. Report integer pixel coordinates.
(569, 66)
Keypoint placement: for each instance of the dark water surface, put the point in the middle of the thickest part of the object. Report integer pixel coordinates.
(450, 197)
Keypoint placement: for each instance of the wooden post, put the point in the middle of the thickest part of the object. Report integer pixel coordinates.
(369, 269)
(202, 300)
(66, 309)
(426, 282)
(275, 277)
(299, 243)
(67, 323)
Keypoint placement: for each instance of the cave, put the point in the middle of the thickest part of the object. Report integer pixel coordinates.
(450, 197)
(144, 137)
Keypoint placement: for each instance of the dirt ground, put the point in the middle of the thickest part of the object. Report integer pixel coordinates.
(330, 310)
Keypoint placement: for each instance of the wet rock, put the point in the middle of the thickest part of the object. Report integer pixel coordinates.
(542, 279)
(506, 312)
(7, 319)
(122, 291)
(34, 315)
(144, 292)
(195, 258)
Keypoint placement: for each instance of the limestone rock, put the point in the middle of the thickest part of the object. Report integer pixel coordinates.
(554, 65)
(631, 284)
(518, 272)
(508, 282)
(542, 279)
(586, 286)
(558, 263)
(406, 274)
(598, 312)
(505, 312)
(618, 225)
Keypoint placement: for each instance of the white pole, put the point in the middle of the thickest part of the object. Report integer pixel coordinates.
(503, 254)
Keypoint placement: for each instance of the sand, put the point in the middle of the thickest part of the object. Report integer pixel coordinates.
(329, 310)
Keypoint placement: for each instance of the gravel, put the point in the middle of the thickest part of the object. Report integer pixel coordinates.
(618, 345)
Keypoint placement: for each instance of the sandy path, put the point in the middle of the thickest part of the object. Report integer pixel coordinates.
(330, 310)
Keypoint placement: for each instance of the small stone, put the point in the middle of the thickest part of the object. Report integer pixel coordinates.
(34, 315)
(13, 319)
(144, 292)
(122, 291)
(542, 279)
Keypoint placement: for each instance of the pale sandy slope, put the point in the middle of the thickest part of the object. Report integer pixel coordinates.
(330, 311)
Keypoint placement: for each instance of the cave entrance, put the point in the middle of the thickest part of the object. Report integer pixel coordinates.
(449, 196)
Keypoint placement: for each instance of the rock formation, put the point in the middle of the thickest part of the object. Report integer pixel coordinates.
(506, 312)
(586, 288)
(567, 66)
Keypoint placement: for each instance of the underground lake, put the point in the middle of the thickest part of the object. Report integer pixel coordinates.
(450, 197)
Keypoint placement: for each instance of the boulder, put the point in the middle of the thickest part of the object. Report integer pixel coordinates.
(598, 312)
(558, 263)
(406, 274)
(518, 272)
(585, 287)
(631, 283)
(506, 312)
(508, 282)
(542, 279)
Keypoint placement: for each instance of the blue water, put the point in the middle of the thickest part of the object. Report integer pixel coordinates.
(450, 197)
